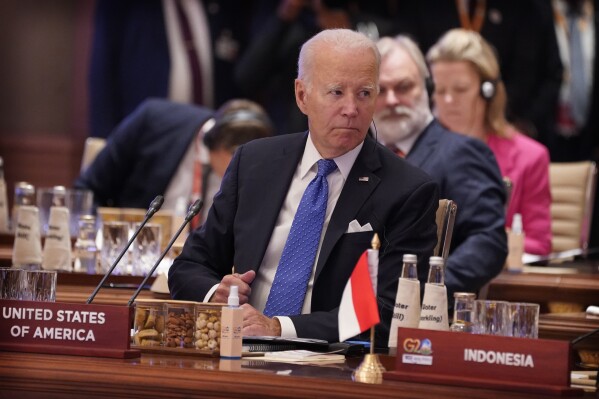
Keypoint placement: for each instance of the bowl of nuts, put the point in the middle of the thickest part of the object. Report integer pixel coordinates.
(149, 323)
(168, 325)
(207, 327)
(180, 324)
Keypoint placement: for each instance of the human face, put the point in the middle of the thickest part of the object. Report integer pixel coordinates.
(458, 103)
(339, 100)
(402, 104)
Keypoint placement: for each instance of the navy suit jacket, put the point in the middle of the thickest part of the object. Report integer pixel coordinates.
(467, 173)
(143, 153)
(398, 200)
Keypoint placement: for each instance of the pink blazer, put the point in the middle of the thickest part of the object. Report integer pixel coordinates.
(526, 162)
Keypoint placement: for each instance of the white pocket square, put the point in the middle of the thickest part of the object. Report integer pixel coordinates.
(354, 227)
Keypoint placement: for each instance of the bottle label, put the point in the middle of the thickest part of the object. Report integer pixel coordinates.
(406, 312)
(434, 308)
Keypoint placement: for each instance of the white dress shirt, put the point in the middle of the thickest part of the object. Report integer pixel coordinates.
(179, 188)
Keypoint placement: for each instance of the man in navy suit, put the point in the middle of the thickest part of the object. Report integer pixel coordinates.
(156, 148)
(252, 214)
(464, 168)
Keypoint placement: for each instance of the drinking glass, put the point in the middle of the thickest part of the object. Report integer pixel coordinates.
(39, 285)
(11, 283)
(80, 202)
(114, 239)
(492, 317)
(44, 203)
(524, 320)
(146, 249)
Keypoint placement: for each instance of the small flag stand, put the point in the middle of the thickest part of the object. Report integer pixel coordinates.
(371, 370)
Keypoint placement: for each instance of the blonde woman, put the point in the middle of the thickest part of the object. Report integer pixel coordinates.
(470, 98)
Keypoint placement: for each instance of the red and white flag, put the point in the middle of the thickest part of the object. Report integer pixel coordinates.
(358, 310)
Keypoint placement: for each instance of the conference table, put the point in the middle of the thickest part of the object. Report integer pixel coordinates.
(32, 375)
(571, 286)
(27, 375)
(167, 375)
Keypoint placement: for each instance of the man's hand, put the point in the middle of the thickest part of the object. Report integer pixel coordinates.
(256, 324)
(243, 281)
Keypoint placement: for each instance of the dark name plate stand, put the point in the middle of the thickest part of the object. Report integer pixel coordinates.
(484, 361)
(66, 329)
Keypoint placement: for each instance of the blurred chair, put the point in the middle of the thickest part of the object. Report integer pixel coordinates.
(93, 145)
(572, 186)
(445, 219)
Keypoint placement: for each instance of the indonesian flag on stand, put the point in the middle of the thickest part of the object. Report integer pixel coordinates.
(358, 310)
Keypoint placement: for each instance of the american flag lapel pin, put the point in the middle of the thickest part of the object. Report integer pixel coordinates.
(363, 178)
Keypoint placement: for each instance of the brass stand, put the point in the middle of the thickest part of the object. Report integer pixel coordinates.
(371, 370)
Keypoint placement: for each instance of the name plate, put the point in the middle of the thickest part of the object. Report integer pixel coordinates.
(66, 328)
(485, 361)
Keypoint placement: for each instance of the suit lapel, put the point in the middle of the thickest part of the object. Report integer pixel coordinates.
(355, 192)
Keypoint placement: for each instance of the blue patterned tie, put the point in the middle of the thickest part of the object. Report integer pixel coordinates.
(291, 280)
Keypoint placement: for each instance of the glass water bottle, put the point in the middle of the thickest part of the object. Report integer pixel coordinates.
(410, 268)
(436, 271)
(24, 195)
(59, 195)
(463, 312)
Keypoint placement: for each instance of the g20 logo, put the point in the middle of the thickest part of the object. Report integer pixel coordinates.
(414, 345)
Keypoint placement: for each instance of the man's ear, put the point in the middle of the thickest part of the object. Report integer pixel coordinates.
(300, 95)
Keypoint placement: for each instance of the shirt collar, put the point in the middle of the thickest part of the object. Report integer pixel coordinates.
(311, 155)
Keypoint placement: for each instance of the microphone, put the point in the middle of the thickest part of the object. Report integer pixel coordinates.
(154, 207)
(194, 209)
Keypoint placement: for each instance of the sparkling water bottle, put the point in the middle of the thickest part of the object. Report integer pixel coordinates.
(410, 268)
(436, 271)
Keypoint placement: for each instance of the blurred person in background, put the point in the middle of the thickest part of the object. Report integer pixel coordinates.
(470, 98)
(521, 31)
(464, 167)
(266, 70)
(178, 150)
(182, 50)
(574, 137)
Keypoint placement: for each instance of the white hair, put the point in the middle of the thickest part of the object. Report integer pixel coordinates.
(388, 45)
(338, 38)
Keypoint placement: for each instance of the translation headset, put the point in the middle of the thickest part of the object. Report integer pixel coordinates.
(488, 88)
(241, 115)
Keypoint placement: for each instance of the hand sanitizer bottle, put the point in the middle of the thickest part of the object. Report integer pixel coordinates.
(515, 245)
(231, 337)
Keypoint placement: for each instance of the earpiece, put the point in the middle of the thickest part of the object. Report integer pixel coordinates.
(488, 89)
